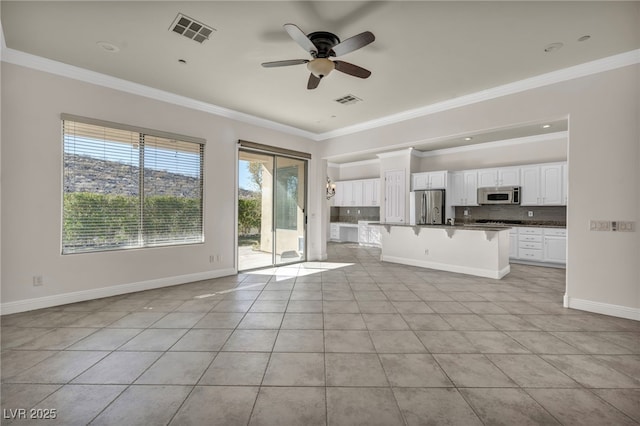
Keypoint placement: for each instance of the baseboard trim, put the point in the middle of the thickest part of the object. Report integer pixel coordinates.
(603, 308)
(98, 293)
(487, 273)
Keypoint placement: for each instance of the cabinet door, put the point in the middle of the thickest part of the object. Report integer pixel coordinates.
(335, 231)
(375, 194)
(487, 177)
(530, 179)
(367, 192)
(551, 185)
(374, 236)
(358, 196)
(338, 199)
(456, 189)
(470, 188)
(363, 234)
(394, 196)
(419, 181)
(509, 176)
(555, 249)
(437, 180)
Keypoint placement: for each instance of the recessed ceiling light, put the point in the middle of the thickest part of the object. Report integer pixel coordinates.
(553, 47)
(546, 126)
(584, 38)
(182, 61)
(468, 138)
(108, 47)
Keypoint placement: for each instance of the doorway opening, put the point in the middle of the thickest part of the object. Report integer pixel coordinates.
(271, 209)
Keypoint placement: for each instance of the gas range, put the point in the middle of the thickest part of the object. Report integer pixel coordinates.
(496, 222)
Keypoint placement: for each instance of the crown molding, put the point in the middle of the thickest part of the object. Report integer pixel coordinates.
(589, 68)
(58, 68)
(39, 63)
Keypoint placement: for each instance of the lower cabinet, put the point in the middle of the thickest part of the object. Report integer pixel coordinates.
(368, 235)
(334, 232)
(545, 245)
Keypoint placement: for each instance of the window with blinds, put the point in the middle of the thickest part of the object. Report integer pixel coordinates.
(129, 188)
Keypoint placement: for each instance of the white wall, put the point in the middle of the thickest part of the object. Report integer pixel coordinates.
(603, 272)
(31, 191)
(545, 151)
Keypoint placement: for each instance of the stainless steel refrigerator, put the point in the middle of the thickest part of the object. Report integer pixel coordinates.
(427, 207)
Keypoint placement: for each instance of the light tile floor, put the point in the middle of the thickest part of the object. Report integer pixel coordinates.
(343, 342)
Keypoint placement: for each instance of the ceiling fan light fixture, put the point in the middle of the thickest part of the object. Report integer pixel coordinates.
(320, 67)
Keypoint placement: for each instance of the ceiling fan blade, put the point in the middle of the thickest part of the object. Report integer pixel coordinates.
(301, 38)
(284, 63)
(353, 43)
(313, 82)
(351, 69)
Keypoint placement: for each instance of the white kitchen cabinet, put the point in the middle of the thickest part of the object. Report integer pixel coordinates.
(555, 245)
(463, 188)
(334, 233)
(503, 176)
(348, 193)
(429, 180)
(544, 245)
(371, 192)
(338, 199)
(542, 185)
(357, 193)
(394, 196)
(368, 235)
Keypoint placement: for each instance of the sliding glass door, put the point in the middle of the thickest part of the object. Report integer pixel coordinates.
(271, 210)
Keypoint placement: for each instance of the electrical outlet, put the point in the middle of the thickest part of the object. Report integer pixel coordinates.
(218, 258)
(212, 258)
(38, 280)
(530, 213)
(426, 251)
(466, 212)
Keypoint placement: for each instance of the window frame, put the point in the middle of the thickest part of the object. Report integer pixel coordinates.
(143, 241)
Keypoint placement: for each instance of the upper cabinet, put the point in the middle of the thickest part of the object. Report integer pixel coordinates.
(543, 185)
(503, 176)
(371, 192)
(360, 193)
(429, 180)
(463, 188)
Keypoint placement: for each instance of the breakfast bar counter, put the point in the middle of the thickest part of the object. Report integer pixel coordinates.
(475, 250)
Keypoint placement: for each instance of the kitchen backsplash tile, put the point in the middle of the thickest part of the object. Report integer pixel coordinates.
(550, 214)
(354, 214)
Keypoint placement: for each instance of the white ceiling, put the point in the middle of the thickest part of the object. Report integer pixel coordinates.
(424, 53)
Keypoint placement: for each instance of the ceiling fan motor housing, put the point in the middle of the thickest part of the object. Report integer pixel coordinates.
(324, 41)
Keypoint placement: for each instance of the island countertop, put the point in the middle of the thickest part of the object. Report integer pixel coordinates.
(448, 227)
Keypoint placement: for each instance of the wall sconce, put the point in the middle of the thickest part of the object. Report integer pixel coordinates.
(331, 188)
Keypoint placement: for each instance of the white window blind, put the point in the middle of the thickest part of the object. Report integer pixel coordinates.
(127, 188)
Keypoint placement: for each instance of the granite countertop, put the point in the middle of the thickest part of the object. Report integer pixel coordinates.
(469, 227)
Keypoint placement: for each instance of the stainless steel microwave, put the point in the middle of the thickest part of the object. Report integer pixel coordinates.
(499, 195)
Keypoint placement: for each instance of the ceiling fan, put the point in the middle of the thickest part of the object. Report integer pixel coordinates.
(321, 45)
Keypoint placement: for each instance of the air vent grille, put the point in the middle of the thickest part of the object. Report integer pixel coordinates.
(191, 28)
(348, 100)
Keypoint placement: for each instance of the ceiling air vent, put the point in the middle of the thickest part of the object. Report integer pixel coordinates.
(348, 100)
(191, 28)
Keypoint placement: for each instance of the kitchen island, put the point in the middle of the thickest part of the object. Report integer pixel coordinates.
(474, 250)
